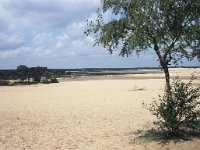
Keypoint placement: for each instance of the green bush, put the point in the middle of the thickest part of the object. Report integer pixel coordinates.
(180, 110)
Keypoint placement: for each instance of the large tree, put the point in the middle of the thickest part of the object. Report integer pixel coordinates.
(170, 28)
(22, 72)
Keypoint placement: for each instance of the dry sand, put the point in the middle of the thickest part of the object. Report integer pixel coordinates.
(83, 115)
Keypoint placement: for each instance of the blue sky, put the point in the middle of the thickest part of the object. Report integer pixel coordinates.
(51, 33)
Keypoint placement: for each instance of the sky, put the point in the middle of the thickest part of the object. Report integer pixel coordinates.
(51, 33)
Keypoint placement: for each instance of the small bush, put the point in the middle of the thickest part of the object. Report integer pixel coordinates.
(182, 112)
(54, 80)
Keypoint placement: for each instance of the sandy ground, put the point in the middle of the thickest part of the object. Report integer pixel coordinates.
(83, 115)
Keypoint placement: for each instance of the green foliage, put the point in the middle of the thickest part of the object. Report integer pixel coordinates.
(45, 80)
(185, 110)
(171, 26)
(22, 72)
(37, 72)
(48, 77)
(48, 74)
(27, 75)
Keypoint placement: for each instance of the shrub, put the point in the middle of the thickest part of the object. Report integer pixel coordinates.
(54, 80)
(182, 111)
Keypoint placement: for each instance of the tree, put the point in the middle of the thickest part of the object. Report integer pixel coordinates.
(22, 72)
(37, 72)
(171, 28)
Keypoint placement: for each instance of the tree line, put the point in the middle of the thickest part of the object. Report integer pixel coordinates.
(26, 74)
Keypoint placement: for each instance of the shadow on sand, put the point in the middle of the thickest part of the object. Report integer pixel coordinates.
(163, 137)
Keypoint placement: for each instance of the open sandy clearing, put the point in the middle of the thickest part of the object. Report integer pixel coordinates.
(82, 115)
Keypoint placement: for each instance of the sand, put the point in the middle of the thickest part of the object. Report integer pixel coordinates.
(83, 115)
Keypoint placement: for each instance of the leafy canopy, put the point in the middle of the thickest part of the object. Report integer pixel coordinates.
(170, 27)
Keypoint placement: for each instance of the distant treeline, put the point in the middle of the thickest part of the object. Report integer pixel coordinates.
(36, 72)
(26, 74)
(63, 71)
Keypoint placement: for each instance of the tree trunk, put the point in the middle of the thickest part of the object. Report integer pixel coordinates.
(163, 64)
(167, 79)
(171, 115)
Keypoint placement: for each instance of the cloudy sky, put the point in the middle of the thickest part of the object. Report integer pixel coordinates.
(51, 33)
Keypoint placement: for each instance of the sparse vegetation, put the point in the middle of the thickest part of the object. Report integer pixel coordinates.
(185, 113)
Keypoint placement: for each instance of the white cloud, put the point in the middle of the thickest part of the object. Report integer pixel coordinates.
(48, 13)
(62, 37)
(16, 52)
(10, 41)
(15, 39)
(42, 38)
(51, 33)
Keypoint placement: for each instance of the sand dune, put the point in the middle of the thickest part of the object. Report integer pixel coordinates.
(82, 115)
